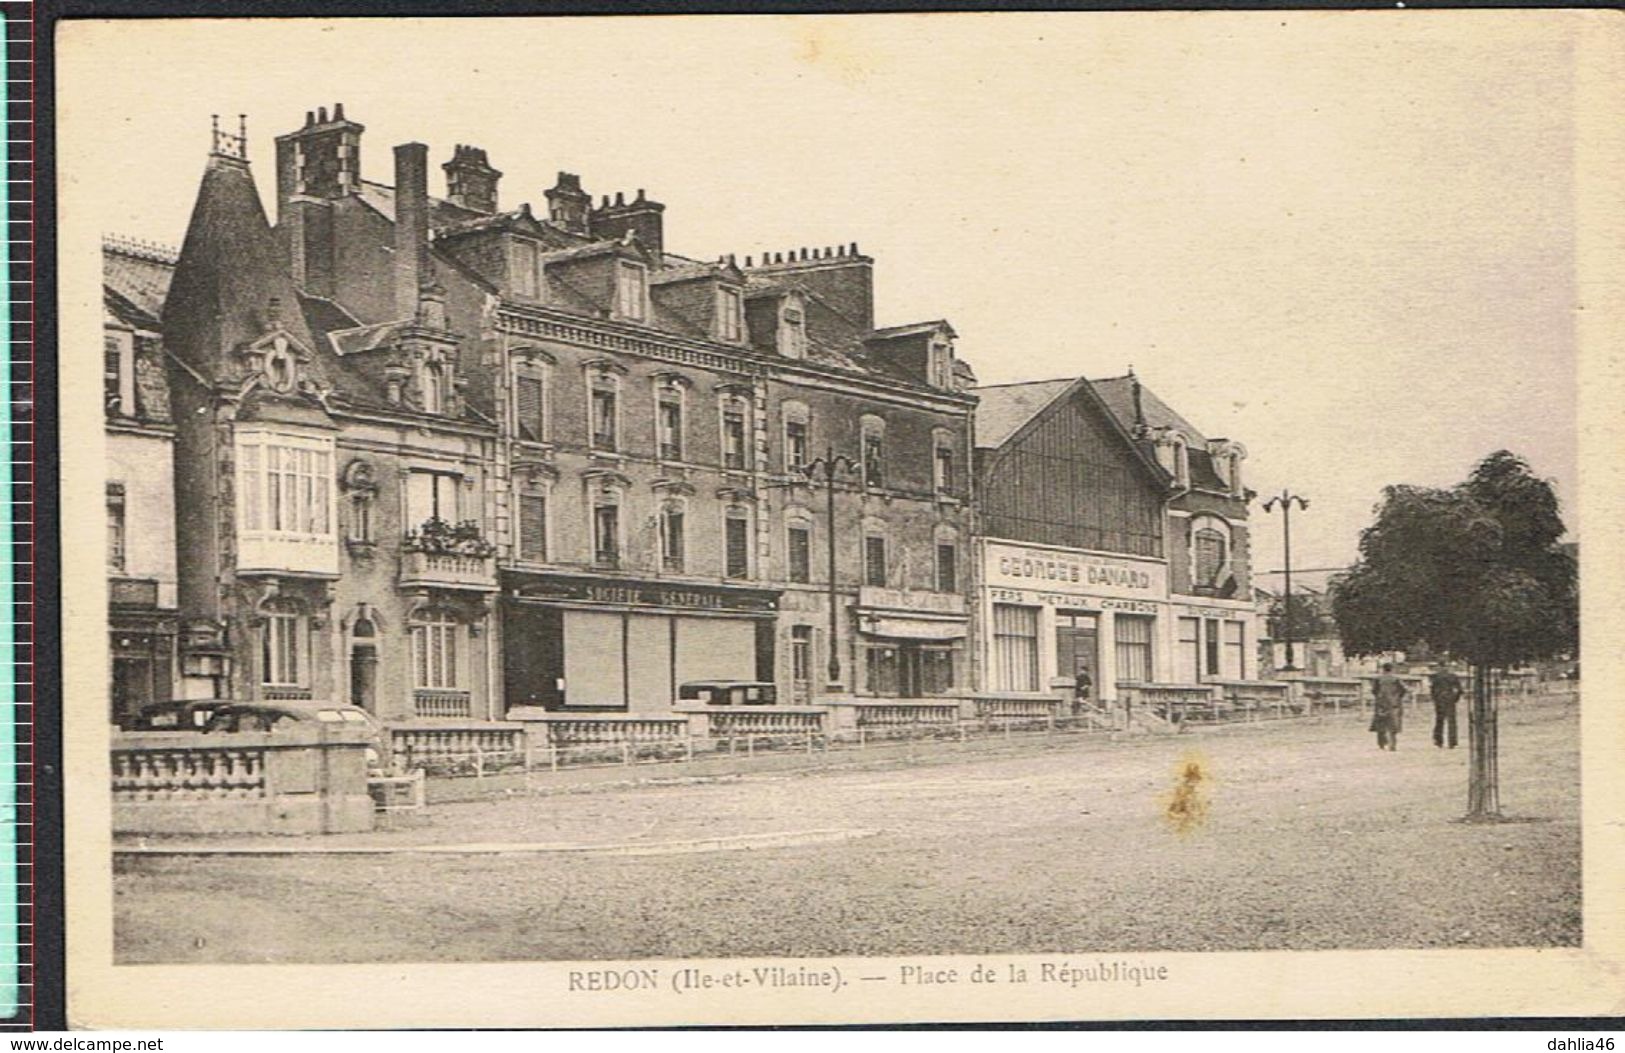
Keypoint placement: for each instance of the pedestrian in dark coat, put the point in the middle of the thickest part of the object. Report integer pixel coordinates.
(1445, 687)
(1388, 708)
(1082, 688)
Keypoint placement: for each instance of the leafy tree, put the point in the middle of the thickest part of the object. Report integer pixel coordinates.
(1474, 572)
(1303, 616)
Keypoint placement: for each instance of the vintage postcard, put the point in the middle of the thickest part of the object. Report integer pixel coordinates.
(860, 518)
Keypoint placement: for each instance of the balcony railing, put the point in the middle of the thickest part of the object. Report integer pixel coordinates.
(448, 571)
(442, 703)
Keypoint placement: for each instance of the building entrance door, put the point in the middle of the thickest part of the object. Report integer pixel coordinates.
(1077, 650)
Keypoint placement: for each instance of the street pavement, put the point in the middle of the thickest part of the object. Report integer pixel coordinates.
(1294, 835)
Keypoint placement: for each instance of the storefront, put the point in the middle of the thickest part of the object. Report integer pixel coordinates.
(1214, 641)
(1058, 612)
(624, 645)
(911, 643)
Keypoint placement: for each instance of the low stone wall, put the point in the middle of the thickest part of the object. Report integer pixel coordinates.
(1325, 692)
(308, 779)
(461, 748)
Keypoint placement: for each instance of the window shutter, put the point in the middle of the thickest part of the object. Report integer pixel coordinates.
(530, 408)
(532, 527)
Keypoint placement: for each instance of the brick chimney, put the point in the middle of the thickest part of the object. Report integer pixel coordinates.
(321, 159)
(646, 217)
(411, 226)
(471, 182)
(840, 275)
(314, 165)
(568, 205)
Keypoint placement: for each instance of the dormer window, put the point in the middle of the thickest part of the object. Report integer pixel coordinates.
(524, 269)
(118, 373)
(730, 314)
(941, 366)
(792, 332)
(631, 291)
(433, 386)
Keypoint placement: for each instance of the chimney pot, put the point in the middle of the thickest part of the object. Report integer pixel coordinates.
(840, 251)
(321, 114)
(620, 199)
(747, 261)
(640, 194)
(854, 248)
(338, 111)
(310, 118)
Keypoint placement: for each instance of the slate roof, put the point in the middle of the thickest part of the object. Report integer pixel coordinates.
(1002, 409)
(139, 275)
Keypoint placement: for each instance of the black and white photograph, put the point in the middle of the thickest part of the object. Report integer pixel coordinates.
(839, 518)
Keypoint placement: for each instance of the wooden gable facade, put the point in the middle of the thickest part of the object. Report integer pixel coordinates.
(1070, 478)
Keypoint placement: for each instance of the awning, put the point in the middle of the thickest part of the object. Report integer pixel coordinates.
(912, 628)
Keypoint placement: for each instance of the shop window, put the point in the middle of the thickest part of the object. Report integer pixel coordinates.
(736, 530)
(285, 486)
(116, 540)
(936, 669)
(947, 567)
(672, 536)
(285, 646)
(606, 534)
(882, 664)
(533, 527)
(874, 560)
(1015, 647)
(631, 291)
(1134, 655)
(1190, 650)
(1235, 649)
(436, 637)
(800, 554)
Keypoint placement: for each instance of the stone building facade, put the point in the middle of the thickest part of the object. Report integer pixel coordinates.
(442, 459)
(1112, 540)
(140, 438)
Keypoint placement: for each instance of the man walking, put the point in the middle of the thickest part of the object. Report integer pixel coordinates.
(1388, 709)
(1445, 687)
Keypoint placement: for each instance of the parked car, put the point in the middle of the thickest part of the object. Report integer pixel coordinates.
(175, 714)
(729, 692)
(230, 717)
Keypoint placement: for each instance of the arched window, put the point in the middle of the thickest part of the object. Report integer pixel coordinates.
(736, 541)
(873, 429)
(604, 405)
(798, 545)
(797, 434)
(437, 650)
(532, 382)
(285, 646)
(1210, 552)
(673, 534)
(434, 388)
(735, 417)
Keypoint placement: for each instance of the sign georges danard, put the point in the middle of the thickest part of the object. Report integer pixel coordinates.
(1071, 574)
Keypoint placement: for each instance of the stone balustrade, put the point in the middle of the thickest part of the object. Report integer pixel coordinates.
(448, 570)
(300, 779)
(1175, 703)
(479, 748)
(442, 704)
(1021, 708)
(1250, 699)
(1320, 692)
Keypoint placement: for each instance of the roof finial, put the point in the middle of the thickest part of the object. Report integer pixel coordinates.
(225, 144)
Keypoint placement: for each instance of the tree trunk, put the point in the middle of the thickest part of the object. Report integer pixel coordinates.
(1483, 785)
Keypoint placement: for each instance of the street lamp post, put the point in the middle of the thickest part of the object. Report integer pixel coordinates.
(826, 468)
(1284, 501)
